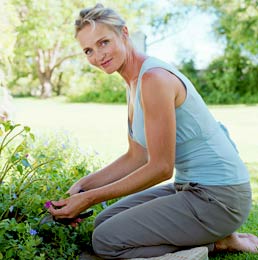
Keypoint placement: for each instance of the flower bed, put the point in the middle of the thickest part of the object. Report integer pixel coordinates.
(33, 170)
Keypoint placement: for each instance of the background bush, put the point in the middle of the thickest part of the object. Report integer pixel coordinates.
(230, 79)
(101, 88)
(21, 235)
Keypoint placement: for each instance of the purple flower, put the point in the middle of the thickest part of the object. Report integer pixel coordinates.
(11, 208)
(33, 232)
(47, 204)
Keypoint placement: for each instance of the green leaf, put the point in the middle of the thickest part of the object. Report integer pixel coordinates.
(7, 126)
(20, 169)
(27, 129)
(9, 253)
(20, 147)
(32, 136)
(15, 157)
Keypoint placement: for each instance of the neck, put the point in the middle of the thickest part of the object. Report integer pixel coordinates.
(131, 67)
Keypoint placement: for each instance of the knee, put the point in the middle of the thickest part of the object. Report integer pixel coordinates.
(106, 242)
(101, 243)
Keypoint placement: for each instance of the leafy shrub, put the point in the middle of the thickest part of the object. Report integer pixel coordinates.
(101, 88)
(35, 169)
(229, 79)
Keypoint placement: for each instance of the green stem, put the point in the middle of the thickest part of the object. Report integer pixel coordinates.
(28, 184)
(7, 134)
(5, 213)
(10, 140)
(6, 169)
(17, 191)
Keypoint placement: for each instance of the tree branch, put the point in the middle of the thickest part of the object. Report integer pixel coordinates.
(60, 61)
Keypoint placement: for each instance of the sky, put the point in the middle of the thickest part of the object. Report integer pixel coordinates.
(194, 40)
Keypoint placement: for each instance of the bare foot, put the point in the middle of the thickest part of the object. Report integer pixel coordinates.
(238, 242)
(251, 236)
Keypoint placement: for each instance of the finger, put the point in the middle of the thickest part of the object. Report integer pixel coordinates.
(78, 220)
(72, 191)
(69, 190)
(74, 224)
(59, 203)
(59, 213)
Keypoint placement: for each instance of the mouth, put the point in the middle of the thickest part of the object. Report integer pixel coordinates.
(106, 63)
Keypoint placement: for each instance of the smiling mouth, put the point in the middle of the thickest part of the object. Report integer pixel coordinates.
(106, 63)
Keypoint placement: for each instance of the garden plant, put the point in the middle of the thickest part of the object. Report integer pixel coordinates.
(34, 169)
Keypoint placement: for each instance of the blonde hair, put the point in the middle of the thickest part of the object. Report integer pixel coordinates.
(99, 14)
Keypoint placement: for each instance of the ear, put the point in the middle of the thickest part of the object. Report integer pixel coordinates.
(125, 33)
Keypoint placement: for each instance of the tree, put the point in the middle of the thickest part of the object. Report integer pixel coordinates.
(46, 36)
(44, 40)
(8, 38)
(237, 22)
(232, 78)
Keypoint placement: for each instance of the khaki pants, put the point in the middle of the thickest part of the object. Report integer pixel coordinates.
(168, 218)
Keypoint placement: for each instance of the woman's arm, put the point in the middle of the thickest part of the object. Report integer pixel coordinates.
(158, 93)
(135, 157)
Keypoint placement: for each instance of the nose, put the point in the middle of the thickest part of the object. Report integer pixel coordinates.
(100, 56)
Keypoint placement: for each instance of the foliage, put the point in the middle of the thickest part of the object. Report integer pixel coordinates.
(38, 47)
(19, 169)
(8, 37)
(229, 79)
(237, 21)
(34, 170)
(101, 88)
(188, 68)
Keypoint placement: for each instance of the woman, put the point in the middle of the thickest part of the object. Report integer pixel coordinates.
(168, 126)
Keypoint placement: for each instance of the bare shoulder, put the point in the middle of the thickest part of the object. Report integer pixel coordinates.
(160, 77)
(162, 83)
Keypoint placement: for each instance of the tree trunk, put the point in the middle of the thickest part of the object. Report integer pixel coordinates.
(44, 60)
(46, 89)
(58, 85)
(47, 61)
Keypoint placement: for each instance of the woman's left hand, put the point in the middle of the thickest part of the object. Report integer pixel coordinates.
(70, 207)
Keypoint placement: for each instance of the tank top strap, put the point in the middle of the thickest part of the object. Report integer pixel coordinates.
(152, 62)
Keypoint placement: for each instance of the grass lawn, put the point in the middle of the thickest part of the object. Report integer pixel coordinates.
(104, 128)
(96, 126)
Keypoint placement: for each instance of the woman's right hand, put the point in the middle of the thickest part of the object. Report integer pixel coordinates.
(75, 188)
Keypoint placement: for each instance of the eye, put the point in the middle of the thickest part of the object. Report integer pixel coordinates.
(88, 52)
(104, 43)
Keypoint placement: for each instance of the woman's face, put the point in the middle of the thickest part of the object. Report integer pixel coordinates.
(103, 47)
